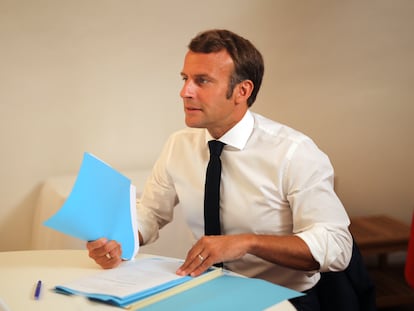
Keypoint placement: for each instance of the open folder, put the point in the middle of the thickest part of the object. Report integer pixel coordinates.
(152, 284)
(101, 204)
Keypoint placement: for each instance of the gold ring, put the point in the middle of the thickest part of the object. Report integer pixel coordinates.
(200, 257)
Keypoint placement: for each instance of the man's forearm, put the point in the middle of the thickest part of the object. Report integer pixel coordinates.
(287, 251)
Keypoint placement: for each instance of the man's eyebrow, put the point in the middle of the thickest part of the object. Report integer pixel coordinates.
(198, 75)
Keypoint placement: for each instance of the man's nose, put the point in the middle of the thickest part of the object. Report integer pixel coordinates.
(187, 90)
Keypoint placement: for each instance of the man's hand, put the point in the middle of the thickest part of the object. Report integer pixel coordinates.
(213, 249)
(106, 253)
(288, 251)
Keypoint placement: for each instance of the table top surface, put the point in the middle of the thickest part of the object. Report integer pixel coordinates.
(20, 271)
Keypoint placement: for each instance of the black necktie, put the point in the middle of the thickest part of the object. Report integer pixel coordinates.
(212, 190)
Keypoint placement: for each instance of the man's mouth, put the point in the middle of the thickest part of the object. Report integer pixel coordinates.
(188, 108)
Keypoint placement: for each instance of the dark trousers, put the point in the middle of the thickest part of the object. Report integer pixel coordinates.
(308, 302)
(348, 290)
(333, 293)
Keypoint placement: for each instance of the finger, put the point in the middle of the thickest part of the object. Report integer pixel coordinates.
(197, 261)
(112, 247)
(185, 268)
(203, 264)
(114, 250)
(91, 245)
(107, 255)
(108, 263)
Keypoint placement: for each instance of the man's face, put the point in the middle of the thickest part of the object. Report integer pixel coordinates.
(206, 78)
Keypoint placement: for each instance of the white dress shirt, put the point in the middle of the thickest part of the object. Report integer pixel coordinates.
(274, 181)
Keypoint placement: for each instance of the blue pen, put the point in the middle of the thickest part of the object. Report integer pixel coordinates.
(37, 291)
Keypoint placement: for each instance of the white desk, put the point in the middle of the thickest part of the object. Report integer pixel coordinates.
(20, 271)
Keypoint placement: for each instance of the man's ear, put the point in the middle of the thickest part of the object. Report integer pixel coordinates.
(244, 89)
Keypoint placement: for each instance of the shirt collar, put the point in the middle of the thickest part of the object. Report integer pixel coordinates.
(238, 135)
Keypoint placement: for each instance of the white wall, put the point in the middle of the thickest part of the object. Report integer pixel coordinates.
(103, 76)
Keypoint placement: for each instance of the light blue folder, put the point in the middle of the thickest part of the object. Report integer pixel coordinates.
(101, 204)
(227, 293)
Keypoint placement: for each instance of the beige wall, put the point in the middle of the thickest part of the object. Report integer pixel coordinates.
(103, 76)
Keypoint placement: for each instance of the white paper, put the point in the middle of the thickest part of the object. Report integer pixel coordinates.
(129, 278)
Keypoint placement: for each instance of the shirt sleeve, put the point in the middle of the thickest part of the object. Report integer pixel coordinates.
(319, 218)
(156, 206)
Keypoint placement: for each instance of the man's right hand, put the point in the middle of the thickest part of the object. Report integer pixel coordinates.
(106, 253)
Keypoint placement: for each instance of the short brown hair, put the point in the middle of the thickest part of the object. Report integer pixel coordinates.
(248, 62)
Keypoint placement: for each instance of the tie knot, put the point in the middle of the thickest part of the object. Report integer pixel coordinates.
(216, 147)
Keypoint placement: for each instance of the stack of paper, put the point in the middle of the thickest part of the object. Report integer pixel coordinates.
(151, 284)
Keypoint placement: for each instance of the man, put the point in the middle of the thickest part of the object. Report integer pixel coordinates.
(280, 218)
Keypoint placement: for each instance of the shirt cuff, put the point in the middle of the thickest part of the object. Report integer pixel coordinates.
(148, 228)
(331, 255)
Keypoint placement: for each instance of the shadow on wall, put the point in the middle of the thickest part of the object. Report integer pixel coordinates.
(16, 227)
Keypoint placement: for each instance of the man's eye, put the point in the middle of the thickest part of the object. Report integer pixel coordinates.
(201, 81)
